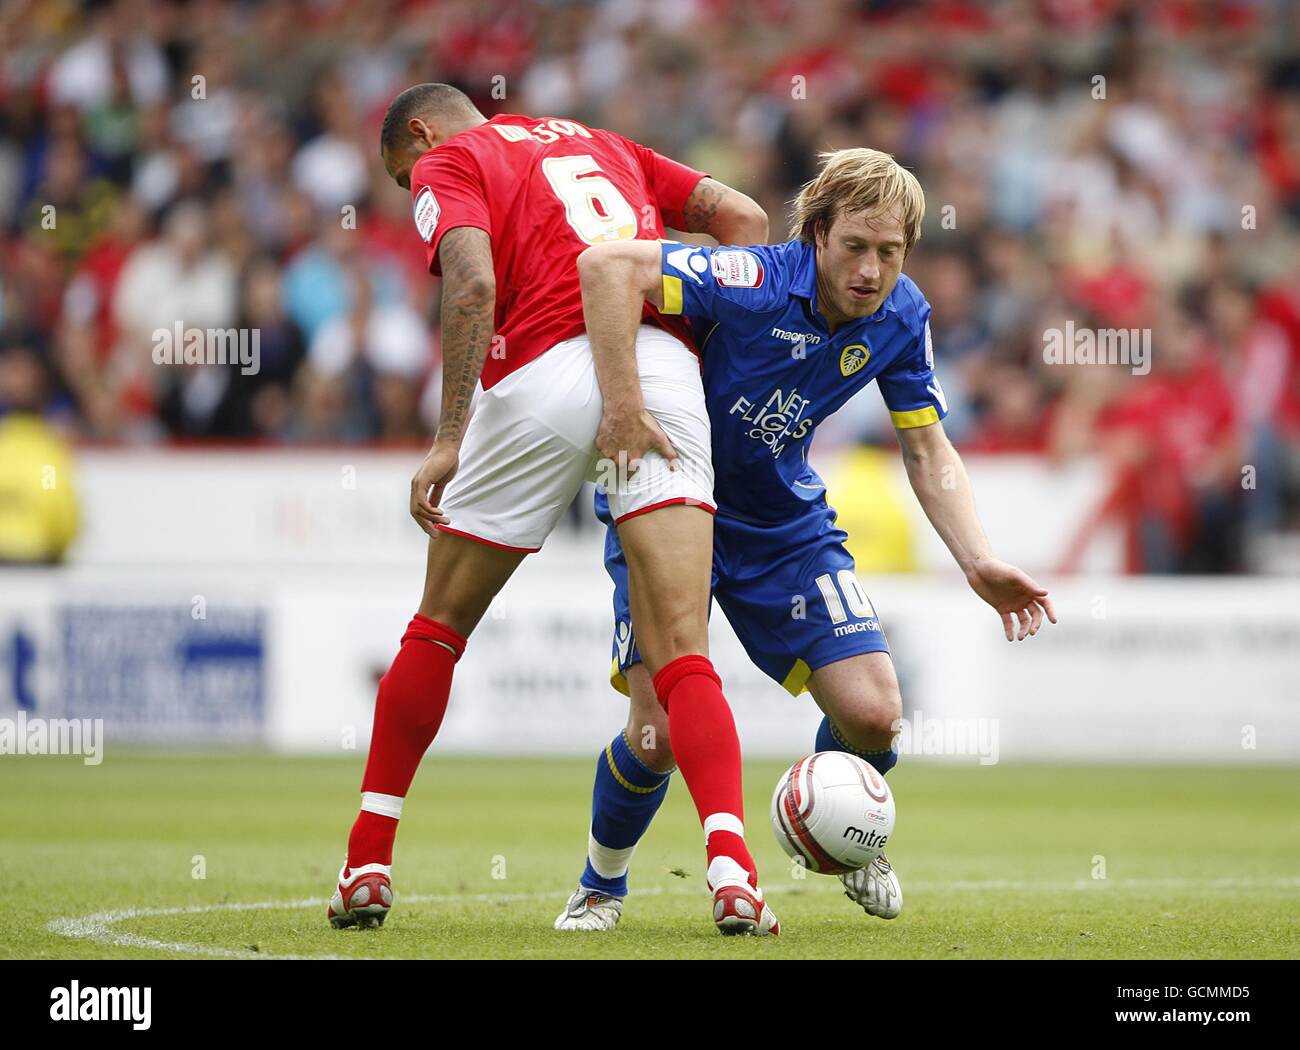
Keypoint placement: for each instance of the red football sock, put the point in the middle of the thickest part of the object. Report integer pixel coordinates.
(707, 750)
(371, 841)
(408, 711)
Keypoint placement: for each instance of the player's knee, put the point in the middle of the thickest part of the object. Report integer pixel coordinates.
(459, 616)
(461, 579)
(870, 721)
(457, 608)
(678, 626)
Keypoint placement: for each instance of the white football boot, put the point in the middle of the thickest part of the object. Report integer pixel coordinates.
(590, 910)
(738, 907)
(876, 888)
(362, 896)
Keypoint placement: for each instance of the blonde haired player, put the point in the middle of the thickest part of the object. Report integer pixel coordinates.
(789, 333)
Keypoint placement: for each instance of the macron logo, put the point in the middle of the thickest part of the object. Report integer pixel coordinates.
(102, 1004)
(797, 337)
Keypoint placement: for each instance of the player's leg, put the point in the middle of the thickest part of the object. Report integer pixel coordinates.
(802, 617)
(462, 577)
(632, 772)
(665, 524)
(520, 470)
(828, 635)
(860, 699)
(668, 554)
(647, 723)
(632, 775)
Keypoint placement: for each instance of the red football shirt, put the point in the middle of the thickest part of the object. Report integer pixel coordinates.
(545, 189)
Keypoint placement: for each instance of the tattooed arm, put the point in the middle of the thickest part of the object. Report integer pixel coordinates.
(468, 314)
(469, 294)
(726, 215)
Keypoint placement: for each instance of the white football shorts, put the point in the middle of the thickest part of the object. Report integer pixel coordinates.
(531, 443)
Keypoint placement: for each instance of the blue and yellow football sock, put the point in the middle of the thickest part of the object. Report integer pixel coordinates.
(624, 800)
(829, 739)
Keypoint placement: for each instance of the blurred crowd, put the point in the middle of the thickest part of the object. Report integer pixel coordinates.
(1117, 165)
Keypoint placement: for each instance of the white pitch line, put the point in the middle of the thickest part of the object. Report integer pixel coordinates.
(98, 926)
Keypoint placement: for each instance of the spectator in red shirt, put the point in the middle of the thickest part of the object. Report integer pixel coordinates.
(1173, 437)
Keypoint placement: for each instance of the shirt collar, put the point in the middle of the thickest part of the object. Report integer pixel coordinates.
(804, 283)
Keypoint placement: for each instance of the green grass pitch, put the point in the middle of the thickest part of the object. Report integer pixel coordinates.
(995, 862)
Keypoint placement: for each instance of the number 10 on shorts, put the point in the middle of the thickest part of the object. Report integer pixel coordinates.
(853, 595)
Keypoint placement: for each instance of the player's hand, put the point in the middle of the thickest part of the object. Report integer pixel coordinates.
(1020, 601)
(633, 431)
(438, 468)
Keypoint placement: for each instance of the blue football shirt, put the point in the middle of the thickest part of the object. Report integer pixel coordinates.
(773, 370)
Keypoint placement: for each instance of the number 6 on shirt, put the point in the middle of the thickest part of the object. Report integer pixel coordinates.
(592, 204)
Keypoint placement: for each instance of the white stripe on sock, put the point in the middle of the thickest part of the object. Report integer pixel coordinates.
(723, 822)
(384, 805)
(723, 871)
(608, 863)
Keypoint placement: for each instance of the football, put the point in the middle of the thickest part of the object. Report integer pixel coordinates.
(832, 812)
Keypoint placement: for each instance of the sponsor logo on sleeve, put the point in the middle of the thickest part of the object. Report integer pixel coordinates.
(623, 638)
(737, 269)
(937, 391)
(426, 214)
(689, 261)
(929, 348)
